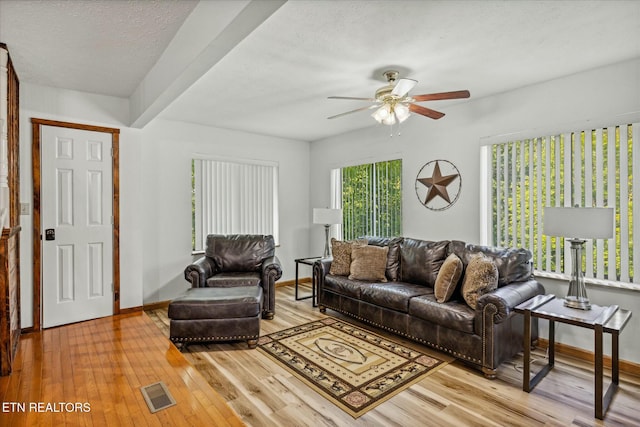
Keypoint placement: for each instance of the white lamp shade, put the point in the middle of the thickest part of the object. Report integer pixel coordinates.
(327, 216)
(584, 223)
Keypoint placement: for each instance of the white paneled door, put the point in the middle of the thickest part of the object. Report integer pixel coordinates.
(77, 230)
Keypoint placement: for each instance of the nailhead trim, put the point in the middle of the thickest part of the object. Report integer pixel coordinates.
(429, 343)
(233, 337)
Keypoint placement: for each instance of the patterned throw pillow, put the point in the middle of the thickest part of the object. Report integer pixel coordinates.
(448, 278)
(369, 263)
(480, 277)
(341, 251)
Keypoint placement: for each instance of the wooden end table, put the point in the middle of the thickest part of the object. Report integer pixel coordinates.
(602, 319)
(307, 261)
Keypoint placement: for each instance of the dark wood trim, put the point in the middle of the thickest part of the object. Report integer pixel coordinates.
(155, 305)
(131, 310)
(36, 237)
(292, 282)
(37, 254)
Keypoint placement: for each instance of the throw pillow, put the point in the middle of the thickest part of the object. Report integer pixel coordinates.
(448, 278)
(480, 277)
(369, 263)
(341, 251)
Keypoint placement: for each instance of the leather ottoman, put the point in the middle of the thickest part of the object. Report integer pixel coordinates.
(216, 314)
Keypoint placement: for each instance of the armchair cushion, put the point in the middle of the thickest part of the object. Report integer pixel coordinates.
(239, 252)
(233, 279)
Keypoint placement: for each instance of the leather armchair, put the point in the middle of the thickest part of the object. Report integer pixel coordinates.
(239, 260)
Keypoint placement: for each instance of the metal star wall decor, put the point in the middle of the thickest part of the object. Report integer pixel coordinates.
(438, 185)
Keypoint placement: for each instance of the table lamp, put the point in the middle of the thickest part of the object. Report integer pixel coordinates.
(578, 224)
(327, 217)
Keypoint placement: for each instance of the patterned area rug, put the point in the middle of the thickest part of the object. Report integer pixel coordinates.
(352, 367)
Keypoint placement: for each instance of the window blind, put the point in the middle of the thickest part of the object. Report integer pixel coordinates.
(234, 198)
(591, 167)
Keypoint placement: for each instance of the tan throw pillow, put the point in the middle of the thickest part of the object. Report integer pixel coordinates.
(480, 277)
(341, 252)
(448, 278)
(369, 263)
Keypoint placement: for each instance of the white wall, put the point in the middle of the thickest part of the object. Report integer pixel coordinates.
(166, 171)
(155, 206)
(590, 96)
(55, 104)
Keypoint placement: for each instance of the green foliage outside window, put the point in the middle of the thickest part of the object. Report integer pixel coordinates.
(372, 199)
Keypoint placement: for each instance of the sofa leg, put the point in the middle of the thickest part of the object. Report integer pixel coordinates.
(268, 315)
(253, 343)
(322, 308)
(489, 373)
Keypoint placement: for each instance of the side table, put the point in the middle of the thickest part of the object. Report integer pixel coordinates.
(602, 319)
(307, 261)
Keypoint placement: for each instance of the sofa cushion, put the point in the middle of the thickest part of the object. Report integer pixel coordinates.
(513, 264)
(448, 278)
(341, 251)
(393, 257)
(393, 295)
(481, 276)
(233, 279)
(239, 252)
(343, 286)
(369, 263)
(420, 260)
(451, 315)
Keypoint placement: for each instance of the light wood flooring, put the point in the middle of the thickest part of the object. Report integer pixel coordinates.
(104, 362)
(265, 394)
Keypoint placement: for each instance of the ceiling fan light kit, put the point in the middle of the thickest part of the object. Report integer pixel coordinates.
(393, 103)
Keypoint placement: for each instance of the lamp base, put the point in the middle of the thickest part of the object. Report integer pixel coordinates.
(327, 247)
(577, 294)
(577, 302)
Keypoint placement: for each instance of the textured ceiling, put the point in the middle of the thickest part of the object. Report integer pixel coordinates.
(276, 80)
(104, 47)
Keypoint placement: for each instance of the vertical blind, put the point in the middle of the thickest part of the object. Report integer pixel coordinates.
(371, 198)
(233, 198)
(592, 167)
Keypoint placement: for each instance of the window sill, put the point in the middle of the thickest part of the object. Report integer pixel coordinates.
(590, 281)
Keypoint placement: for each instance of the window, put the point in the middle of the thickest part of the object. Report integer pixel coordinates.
(582, 168)
(370, 196)
(230, 197)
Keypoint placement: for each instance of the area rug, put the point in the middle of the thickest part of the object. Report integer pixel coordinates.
(351, 367)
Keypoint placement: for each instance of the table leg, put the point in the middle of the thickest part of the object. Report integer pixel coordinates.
(529, 383)
(552, 342)
(297, 281)
(526, 363)
(598, 372)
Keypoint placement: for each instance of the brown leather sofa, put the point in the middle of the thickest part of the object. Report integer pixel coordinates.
(406, 305)
(239, 260)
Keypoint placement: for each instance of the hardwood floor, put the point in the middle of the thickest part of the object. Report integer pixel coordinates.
(90, 374)
(104, 363)
(265, 394)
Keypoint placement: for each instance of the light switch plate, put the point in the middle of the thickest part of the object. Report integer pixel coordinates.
(24, 208)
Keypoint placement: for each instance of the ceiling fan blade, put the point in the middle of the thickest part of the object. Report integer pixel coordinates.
(442, 95)
(403, 86)
(418, 109)
(370, 107)
(351, 97)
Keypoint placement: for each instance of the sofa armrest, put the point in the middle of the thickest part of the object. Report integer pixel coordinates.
(320, 269)
(198, 272)
(505, 298)
(271, 271)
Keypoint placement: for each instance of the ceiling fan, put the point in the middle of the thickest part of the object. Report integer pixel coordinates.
(393, 103)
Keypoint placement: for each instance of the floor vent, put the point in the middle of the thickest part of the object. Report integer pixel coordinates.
(157, 396)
